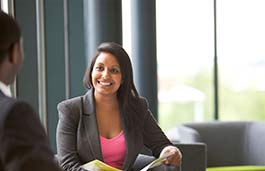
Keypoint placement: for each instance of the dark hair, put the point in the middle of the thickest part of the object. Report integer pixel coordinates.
(10, 34)
(127, 89)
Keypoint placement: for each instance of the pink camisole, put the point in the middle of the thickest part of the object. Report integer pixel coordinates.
(114, 150)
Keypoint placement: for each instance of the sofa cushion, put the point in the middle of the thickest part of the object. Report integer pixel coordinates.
(184, 134)
(254, 150)
(237, 168)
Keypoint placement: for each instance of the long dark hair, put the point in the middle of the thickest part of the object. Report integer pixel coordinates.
(10, 34)
(127, 94)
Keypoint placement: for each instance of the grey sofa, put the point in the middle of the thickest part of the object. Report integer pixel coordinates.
(228, 143)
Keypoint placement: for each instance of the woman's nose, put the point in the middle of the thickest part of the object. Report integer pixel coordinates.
(106, 73)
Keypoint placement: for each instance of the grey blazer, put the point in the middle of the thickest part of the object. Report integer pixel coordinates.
(78, 136)
(23, 142)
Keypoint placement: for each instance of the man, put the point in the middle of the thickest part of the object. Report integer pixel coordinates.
(23, 142)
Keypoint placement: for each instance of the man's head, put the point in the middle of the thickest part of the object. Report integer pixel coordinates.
(11, 54)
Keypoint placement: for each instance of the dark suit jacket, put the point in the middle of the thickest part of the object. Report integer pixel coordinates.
(23, 142)
(78, 136)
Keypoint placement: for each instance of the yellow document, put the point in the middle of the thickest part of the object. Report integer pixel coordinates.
(97, 165)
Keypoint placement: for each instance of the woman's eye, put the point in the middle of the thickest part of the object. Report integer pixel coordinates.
(99, 68)
(115, 70)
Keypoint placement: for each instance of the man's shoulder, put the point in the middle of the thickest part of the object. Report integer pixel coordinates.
(6, 104)
(5, 99)
(13, 106)
(9, 102)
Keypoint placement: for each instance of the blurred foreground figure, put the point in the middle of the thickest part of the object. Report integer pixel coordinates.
(23, 142)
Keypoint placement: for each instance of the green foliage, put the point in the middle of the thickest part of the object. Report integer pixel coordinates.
(248, 104)
(171, 114)
(243, 105)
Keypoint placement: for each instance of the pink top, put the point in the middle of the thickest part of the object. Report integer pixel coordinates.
(113, 150)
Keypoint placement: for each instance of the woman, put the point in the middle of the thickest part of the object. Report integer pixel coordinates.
(110, 122)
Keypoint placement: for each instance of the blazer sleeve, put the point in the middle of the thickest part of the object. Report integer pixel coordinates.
(67, 135)
(153, 136)
(24, 144)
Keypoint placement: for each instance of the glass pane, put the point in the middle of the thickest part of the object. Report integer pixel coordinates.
(126, 26)
(185, 61)
(4, 5)
(241, 53)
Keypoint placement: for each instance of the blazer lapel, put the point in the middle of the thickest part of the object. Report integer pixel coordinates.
(90, 124)
(133, 143)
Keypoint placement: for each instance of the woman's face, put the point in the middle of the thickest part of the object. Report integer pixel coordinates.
(106, 74)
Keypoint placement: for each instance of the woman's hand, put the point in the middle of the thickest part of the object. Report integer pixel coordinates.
(174, 159)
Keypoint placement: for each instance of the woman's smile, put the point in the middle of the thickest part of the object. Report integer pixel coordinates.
(104, 83)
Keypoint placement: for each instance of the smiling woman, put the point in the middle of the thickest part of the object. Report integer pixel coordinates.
(110, 114)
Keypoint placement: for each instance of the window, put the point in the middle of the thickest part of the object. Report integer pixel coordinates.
(241, 54)
(185, 54)
(4, 5)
